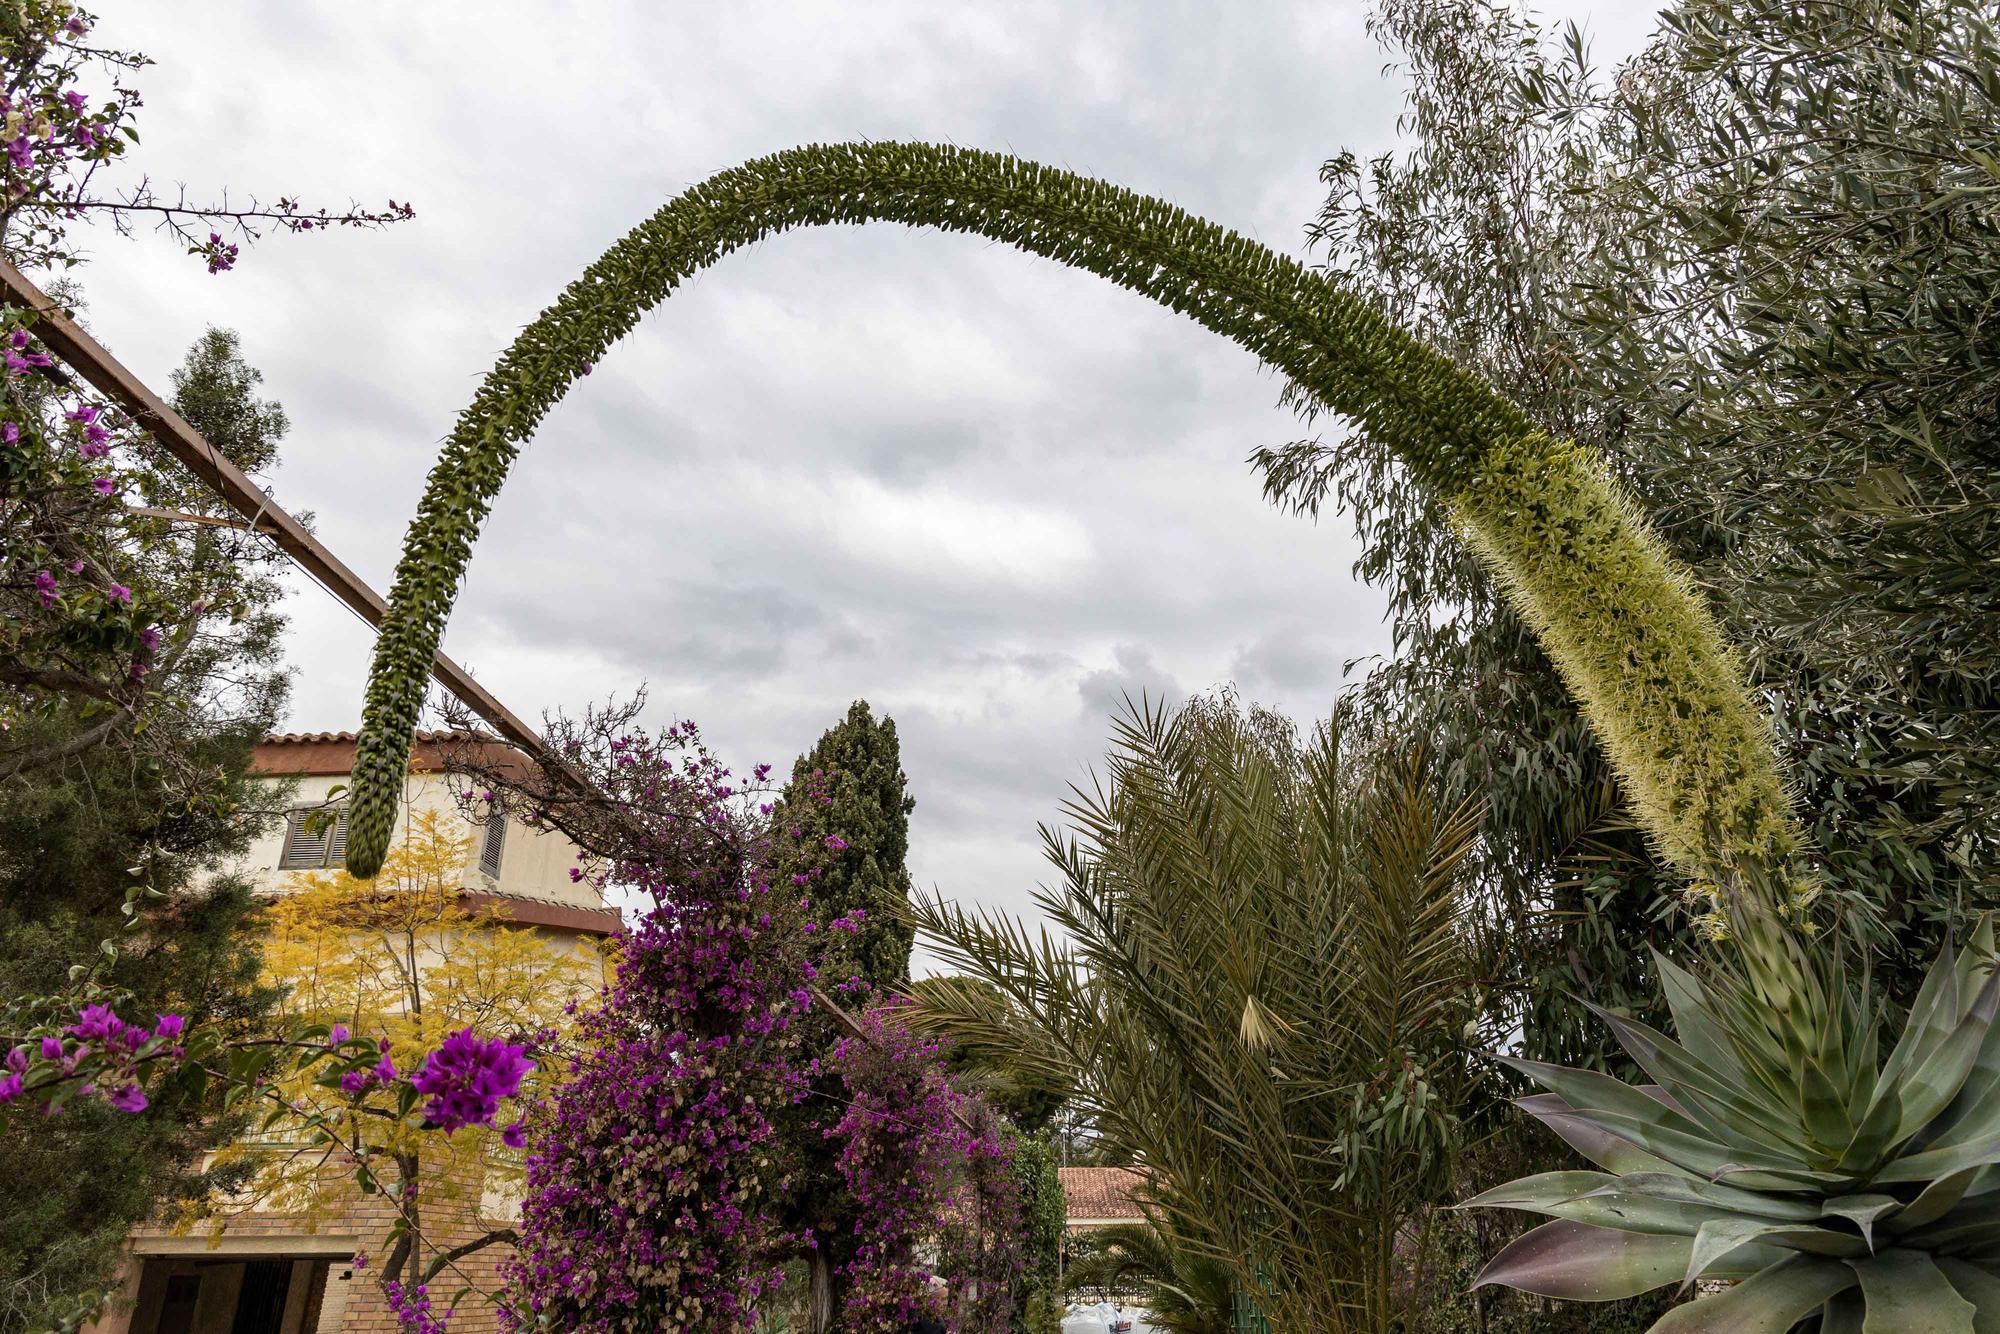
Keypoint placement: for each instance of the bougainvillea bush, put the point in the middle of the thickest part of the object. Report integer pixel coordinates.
(932, 1171)
(659, 1172)
(651, 1171)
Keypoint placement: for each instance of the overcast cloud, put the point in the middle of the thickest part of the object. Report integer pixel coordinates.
(987, 494)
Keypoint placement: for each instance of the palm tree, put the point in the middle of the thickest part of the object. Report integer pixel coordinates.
(1616, 612)
(1182, 1292)
(1251, 979)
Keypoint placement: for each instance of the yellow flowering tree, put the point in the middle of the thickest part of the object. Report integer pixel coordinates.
(404, 961)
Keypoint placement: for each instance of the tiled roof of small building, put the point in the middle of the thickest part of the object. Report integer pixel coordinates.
(1100, 1194)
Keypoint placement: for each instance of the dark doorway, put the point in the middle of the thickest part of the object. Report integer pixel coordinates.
(177, 1307)
(260, 1308)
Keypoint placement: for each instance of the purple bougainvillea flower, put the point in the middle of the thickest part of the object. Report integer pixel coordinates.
(836, 843)
(52, 1049)
(11, 433)
(45, 587)
(119, 593)
(96, 1023)
(128, 1098)
(103, 487)
(168, 1025)
(356, 1081)
(10, 1086)
(339, 1033)
(467, 1077)
(17, 1060)
(512, 1136)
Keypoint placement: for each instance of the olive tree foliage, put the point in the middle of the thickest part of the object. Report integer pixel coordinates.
(1752, 271)
(1637, 647)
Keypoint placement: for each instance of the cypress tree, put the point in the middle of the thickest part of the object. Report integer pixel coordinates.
(851, 789)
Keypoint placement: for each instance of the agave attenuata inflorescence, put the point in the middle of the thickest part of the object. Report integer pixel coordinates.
(1779, 1149)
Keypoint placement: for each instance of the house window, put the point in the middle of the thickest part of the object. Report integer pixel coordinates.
(493, 844)
(312, 846)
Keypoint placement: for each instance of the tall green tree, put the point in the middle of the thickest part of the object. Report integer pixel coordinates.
(1751, 271)
(1044, 1224)
(86, 824)
(842, 834)
(846, 817)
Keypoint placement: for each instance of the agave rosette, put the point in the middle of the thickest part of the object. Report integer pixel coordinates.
(1779, 1151)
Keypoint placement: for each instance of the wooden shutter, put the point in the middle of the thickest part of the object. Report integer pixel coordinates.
(493, 845)
(336, 847)
(303, 848)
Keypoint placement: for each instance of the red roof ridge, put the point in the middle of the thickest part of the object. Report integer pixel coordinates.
(309, 738)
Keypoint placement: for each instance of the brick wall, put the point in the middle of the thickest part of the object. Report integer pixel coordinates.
(353, 1302)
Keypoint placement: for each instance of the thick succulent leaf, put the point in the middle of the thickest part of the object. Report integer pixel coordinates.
(1823, 1108)
(1845, 1314)
(1592, 1091)
(1786, 1179)
(1932, 1017)
(1930, 1087)
(1720, 1237)
(1613, 1153)
(1975, 1112)
(1936, 1200)
(1696, 1152)
(1864, 1211)
(1593, 1197)
(1908, 1294)
(1770, 1301)
(1538, 1192)
(1976, 959)
(1701, 1093)
(1973, 1224)
(1578, 1262)
(1694, 1025)
(1877, 1130)
(1978, 1285)
(1749, 1203)
(1934, 1163)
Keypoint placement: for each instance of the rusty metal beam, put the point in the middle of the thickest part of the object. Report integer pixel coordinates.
(89, 359)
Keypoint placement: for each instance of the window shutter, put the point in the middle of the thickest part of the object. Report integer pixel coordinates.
(303, 848)
(493, 845)
(336, 848)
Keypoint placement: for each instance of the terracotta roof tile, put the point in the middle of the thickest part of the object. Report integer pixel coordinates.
(1101, 1194)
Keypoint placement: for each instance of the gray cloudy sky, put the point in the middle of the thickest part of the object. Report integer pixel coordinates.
(986, 494)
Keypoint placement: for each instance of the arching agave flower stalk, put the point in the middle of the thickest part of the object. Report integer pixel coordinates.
(1778, 1148)
(1633, 641)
